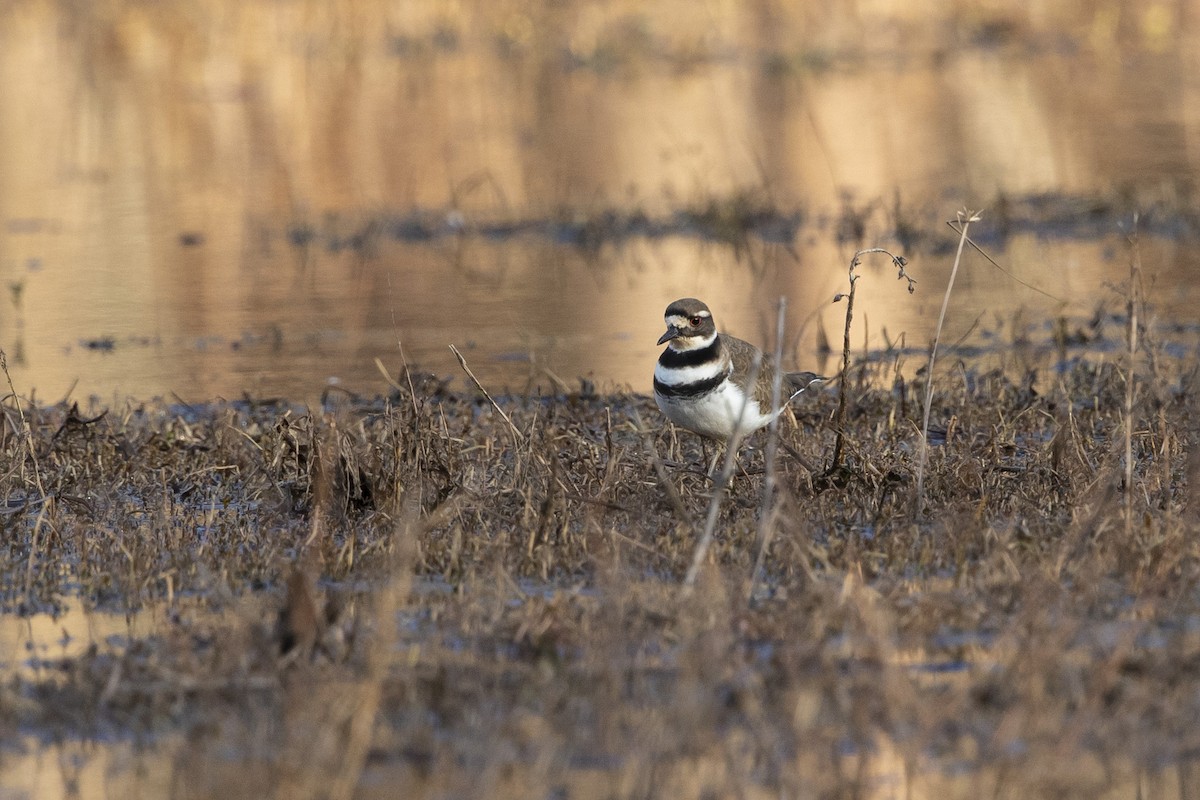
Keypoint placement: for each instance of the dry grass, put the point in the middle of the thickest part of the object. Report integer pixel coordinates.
(499, 615)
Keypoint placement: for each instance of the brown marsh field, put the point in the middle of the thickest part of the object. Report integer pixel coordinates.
(416, 595)
(406, 588)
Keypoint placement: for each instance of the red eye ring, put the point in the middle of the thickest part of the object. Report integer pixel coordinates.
(695, 321)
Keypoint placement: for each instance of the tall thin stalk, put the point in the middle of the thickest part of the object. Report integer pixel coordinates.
(1135, 274)
(965, 218)
(719, 489)
(839, 417)
(43, 510)
(463, 362)
(766, 513)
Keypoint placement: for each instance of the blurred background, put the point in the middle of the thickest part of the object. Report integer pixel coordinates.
(262, 197)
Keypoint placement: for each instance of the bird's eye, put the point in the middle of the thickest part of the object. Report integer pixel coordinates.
(695, 321)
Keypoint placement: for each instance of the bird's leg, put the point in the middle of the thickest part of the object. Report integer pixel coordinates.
(741, 465)
(712, 462)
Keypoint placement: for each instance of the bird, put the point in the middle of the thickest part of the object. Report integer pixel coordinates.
(705, 381)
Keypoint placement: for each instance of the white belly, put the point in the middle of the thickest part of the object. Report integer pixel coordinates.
(715, 414)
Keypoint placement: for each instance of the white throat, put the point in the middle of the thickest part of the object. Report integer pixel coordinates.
(684, 343)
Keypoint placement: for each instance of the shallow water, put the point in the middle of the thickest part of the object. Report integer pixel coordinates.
(265, 198)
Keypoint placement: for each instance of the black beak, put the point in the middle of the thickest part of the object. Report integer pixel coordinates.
(672, 333)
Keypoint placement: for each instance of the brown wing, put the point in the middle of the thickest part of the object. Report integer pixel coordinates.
(742, 354)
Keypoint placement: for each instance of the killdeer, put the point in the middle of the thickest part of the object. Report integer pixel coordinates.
(703, 378)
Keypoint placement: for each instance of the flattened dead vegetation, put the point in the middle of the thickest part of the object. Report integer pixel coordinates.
(412, 593)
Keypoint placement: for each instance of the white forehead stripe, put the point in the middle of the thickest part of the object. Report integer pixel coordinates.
(679, 320)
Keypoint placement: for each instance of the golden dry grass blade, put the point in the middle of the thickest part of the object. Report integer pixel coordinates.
(463, 361)
(965, 219)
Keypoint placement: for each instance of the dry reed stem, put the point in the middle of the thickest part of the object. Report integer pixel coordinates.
(766, 526)
(463, 361)
(1135, 276)
(27, 438)
(965, 218)
(27, 431)
(331, 724)
(660, 470)
(390, 599)
(390, 381)
(719, 487)
(839, 418)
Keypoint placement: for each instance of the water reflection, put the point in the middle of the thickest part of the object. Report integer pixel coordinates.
(34, 645)
(162, 169)
(530, 312)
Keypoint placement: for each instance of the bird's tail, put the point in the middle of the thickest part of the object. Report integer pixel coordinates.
(802, 381)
